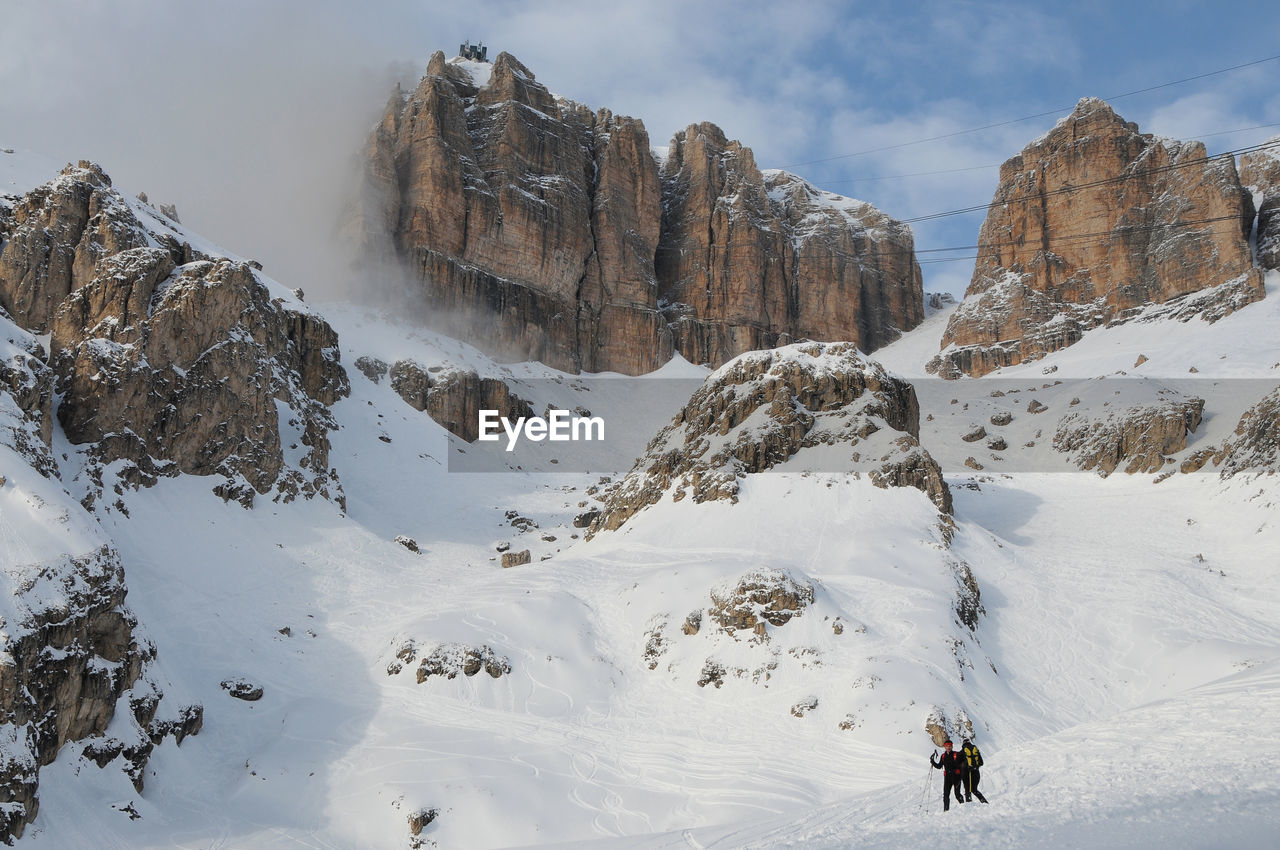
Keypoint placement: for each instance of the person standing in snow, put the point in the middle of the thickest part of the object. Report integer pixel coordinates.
(953, 769)
(972, 761)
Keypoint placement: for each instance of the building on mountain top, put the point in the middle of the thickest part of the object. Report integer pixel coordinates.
(476, 52)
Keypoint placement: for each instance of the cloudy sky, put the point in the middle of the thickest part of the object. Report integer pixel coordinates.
(247, 113)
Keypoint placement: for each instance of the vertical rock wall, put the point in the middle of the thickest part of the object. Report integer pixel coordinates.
(543, 230)
(1090, 223)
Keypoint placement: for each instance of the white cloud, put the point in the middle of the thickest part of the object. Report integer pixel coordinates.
(247, 114)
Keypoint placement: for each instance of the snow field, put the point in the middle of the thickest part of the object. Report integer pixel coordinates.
(1124, 680)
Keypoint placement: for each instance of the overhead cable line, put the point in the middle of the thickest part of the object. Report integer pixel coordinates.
(1047, 112)
(1101, 236)
(1118, 179)
(722, 251)
(1190, 137)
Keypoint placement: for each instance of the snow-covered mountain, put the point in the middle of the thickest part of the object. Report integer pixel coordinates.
(771, 669)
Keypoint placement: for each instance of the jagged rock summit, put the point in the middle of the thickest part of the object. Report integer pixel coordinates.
(546, 230)
(1091, 223)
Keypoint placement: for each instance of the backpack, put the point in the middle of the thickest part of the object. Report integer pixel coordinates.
(972, 756)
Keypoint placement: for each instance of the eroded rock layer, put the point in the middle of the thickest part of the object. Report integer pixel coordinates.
(752, 260)
(454, 397)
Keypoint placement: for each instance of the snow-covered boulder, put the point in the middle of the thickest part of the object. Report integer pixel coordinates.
(826, 402)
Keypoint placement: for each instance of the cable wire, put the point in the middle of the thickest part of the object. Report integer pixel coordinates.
(1117, 179)
(1047, 112)
(1190, 136)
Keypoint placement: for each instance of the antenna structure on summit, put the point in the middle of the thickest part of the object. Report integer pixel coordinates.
(476, 52)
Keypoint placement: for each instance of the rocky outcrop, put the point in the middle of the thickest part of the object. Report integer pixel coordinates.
(169, 362)
(242, 689)
(968, 604)
(450, 659)
(1255, 444)
(543, 230)
(420, 820)
(1091, 223)
(750, 260)
(71, 661)
(1260, 172)
(56, 235)
(760, 598)
(454, 397)
(1141, 437)
(516, 559)
(763, 408)
(1253, 447)
(942, 725)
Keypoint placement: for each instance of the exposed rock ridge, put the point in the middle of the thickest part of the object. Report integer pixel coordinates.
(1252, 448)
(761, 409)
(26, 395)
(171, 361)
(1089, 224)
(544, 230)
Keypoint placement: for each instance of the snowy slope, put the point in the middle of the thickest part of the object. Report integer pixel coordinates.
(1159, 675)
(1124, 681)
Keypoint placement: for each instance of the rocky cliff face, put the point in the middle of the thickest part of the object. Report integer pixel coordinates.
(55, 236)
(750, 260)
(170, 361)
(531, 222)
(1090, 223)
(72, 663)
(1253, 447)
(1260, 172)
(545, 230)
(761, 409)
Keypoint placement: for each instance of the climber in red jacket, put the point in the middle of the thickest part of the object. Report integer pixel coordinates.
(953, 770)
